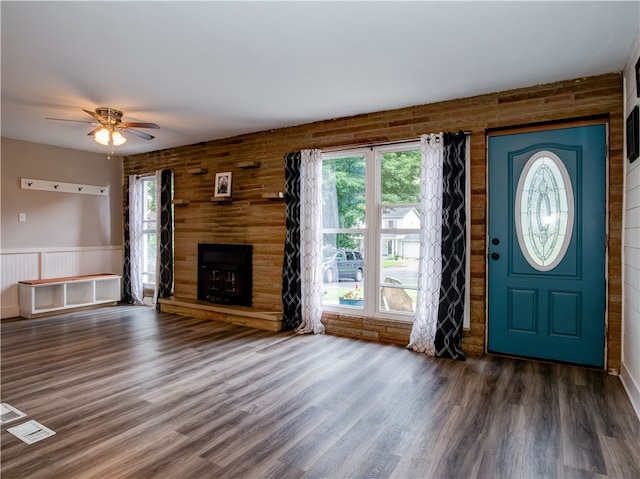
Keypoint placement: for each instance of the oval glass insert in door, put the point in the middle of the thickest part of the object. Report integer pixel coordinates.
(544, 211)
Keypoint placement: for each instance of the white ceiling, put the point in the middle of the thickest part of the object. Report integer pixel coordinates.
(209, 70)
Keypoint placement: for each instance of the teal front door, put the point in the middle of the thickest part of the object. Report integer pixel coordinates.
(546, 262)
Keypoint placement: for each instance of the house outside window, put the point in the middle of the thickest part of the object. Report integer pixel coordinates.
(371, 227)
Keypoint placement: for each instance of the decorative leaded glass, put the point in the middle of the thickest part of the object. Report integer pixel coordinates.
(544, 211)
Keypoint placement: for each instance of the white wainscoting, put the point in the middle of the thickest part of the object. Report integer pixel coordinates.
(43, 263)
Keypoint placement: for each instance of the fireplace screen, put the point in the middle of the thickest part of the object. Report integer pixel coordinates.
(225, 273)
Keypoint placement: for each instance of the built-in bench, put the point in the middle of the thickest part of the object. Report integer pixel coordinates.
(241, 315)
(41, 297)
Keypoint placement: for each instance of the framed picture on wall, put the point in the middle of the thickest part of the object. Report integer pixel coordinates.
(223, 185)
(633, 134)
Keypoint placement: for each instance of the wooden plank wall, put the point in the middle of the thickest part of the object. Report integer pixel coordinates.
(251, 219)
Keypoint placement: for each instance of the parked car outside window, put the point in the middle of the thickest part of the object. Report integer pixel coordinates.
(342, 264)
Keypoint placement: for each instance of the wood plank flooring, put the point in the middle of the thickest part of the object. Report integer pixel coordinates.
(132, 393)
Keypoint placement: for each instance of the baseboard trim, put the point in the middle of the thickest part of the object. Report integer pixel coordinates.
(633, 390)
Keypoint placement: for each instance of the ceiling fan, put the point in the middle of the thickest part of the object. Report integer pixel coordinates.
(110, 125)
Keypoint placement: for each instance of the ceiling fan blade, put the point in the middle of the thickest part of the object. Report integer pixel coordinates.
(95, 130)
(141, 134)
(134, 124)
(75, 121)
(94, 114)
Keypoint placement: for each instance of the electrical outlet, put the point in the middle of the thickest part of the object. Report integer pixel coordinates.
(22, 217)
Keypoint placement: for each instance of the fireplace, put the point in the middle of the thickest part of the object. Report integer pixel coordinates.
(225, 273)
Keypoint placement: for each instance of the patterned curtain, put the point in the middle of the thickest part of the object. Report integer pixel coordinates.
(291, 282)
(126, 273)
(164, 235)
(301, 294)
(437, 328)
(135, 292)
(452, 288)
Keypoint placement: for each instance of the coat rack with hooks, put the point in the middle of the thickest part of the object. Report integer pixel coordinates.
(62, 187)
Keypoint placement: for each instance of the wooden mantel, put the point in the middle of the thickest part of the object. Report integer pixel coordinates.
(241, 315)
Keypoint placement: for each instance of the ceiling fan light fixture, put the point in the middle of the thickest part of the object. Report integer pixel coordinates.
(111, 126)
(118, 139)
(102, 136)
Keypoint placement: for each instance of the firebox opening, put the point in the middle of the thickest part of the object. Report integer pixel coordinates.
(225, 273)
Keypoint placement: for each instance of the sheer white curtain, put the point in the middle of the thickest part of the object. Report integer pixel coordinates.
(423, 332)
(136, 192)
(311, 241)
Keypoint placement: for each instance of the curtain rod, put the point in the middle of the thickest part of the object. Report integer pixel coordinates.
(144, 175)
(374, 144)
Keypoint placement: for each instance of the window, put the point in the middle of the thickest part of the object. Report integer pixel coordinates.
(371, 226)
(149, 232)
(544, 211)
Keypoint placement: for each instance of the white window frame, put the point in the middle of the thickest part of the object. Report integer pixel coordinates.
(372, 232)
(147, 231)
(379, 230)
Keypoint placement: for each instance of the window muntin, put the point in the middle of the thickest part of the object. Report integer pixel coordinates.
(544, 211)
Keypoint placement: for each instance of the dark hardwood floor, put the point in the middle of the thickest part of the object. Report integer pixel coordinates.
(136, 394)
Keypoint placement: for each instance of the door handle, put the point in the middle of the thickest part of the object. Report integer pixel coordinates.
(495, 256)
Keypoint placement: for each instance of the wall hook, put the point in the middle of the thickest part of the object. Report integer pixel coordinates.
(61, 187)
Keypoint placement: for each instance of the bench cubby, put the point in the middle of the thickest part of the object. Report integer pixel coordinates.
(50, 296)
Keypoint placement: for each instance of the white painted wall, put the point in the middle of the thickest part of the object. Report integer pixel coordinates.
(57, 219)
(630, 370)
